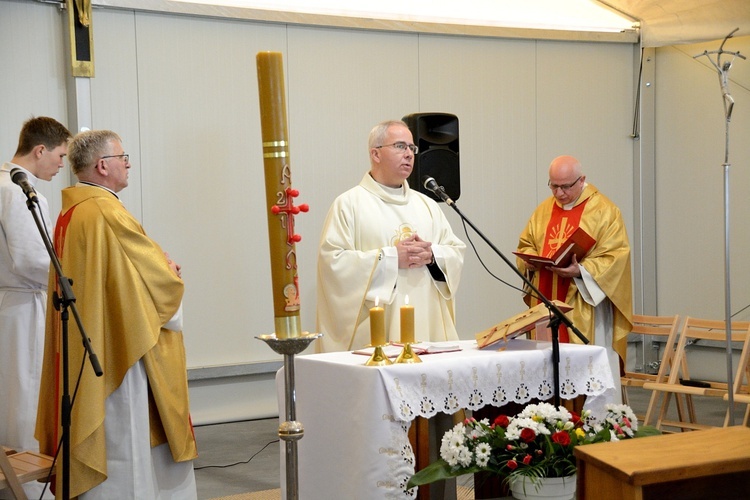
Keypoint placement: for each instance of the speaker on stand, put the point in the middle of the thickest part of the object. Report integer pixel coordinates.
(436, 135)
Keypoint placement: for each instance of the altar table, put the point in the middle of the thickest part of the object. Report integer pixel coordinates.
(356, 418)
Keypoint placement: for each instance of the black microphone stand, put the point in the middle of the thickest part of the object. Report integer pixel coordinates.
(62, 303)
(557, 315)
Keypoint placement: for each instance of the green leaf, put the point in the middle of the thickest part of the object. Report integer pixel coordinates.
(437, 471)
(647, 430)
(433, 472)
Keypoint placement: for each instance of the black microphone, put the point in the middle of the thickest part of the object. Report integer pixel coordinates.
(19, 177)
(432, 186)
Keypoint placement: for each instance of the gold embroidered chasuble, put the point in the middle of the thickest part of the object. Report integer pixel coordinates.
(125, 291)
(608, 262)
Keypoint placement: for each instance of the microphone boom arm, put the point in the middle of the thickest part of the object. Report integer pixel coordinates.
(551, 306)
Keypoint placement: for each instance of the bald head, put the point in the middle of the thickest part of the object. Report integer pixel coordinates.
(564, 166)
(565, 179)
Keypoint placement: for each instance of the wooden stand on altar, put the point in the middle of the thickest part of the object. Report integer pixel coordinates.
(536, 317)
(712, 463)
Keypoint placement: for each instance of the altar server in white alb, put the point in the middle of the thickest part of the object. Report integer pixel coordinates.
(24, 270)
(383, 241)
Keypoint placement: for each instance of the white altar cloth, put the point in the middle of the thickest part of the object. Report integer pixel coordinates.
(356, 418)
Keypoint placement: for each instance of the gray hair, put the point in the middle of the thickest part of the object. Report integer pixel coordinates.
(378, 132)
(87, 147)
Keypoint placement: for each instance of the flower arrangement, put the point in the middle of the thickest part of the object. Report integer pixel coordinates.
(536, 443)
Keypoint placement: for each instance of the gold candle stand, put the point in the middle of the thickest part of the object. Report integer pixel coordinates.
(378, 358)
(408, 355)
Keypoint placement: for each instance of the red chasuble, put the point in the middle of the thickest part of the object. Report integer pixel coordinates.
(561, 226)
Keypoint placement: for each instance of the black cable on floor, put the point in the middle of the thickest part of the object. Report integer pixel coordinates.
(237, 463)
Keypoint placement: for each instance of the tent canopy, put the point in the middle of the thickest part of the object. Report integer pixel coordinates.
(662, 22)
(671, 22)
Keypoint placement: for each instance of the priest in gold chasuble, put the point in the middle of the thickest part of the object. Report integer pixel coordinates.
(131, 435)
(599, 287)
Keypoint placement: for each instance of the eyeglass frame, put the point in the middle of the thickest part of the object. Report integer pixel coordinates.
(412, 147)
(126, 157)
(564, 187)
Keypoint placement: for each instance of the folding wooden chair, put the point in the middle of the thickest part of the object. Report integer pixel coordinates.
(741, 388)
(666, 329)
(23, 467)
(695, 332)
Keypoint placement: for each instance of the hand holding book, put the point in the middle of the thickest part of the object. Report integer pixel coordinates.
(578, 244)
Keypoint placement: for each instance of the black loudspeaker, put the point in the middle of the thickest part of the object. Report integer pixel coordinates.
(436, 135)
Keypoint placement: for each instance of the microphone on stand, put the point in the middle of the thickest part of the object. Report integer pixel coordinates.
(19, 177)
(431, 185)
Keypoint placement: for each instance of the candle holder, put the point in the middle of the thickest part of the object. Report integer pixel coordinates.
(290, 431)
(408, 355)
(378, 358)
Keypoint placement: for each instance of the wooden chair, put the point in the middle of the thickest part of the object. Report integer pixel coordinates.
(679, 382)
(23, 467)
(666, 329)
(741, 388)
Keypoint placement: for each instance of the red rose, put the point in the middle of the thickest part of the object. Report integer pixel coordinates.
(527, 459)
(502, 421)
(527, 435)
(512, 464)
(561, 437)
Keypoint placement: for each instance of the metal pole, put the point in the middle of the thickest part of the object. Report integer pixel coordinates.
(290, 431)
(723, 70)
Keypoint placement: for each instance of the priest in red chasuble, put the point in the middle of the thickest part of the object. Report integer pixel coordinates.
(131, 435)
(598, 286)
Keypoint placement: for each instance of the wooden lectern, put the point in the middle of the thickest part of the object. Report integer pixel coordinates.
(712, 463)
(536, 317)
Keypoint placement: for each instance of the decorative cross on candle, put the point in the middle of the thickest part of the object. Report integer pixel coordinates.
(287, 210)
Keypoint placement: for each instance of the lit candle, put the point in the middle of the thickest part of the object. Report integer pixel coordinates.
(407, 322)
(377, 325)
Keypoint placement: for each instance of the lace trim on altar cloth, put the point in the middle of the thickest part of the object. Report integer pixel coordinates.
(514, 379)
(400, 459)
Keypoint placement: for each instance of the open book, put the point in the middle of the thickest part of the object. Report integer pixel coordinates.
(579, 243)
(392, 350)
(498, 336)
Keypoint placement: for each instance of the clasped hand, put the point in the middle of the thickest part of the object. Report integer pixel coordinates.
(174, 266)
(414, 252)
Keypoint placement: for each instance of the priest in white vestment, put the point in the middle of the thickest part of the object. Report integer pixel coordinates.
(384, 242)
(381, 243)
(24, 270)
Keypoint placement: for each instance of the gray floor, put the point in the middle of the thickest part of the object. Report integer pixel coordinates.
(237, 457)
